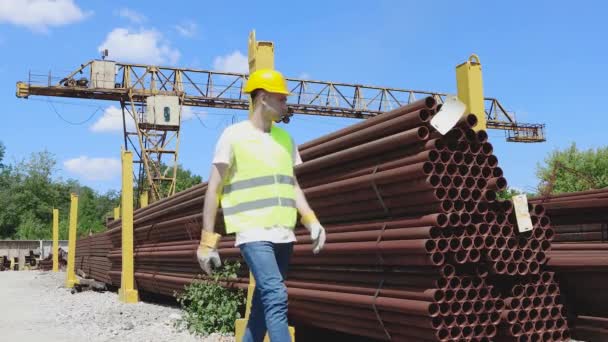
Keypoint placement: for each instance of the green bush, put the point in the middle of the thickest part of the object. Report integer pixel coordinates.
(210, 307)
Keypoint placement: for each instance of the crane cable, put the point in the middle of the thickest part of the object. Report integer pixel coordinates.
(50, 103)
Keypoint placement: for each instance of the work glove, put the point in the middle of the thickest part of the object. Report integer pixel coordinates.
(206, 253)
(317, 232)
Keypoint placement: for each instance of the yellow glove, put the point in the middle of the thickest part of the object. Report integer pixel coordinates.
(317, 232)
(207, 254)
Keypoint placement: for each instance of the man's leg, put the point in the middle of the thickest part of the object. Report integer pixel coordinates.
(256, 325)
(283, 253)
(262, 261)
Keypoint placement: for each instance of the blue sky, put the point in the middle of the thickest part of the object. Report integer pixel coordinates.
(544, 60)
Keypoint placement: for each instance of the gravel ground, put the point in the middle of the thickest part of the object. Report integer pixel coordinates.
(36, 306)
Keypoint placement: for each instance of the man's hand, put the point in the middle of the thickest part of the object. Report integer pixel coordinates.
(317, 232)
(207, 254)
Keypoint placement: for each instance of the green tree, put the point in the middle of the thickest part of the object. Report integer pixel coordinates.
(29, 191)
(185, 179)
(31, 195)
(572, 170)
(2, 151)
(93, 208)
(508, 193)
(9, 211)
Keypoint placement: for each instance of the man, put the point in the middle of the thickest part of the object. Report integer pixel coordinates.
(253, 174)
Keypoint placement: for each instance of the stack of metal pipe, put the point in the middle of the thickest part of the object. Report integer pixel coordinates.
(582, 271)
(578, 216)
(166, 235)
(418, 246)
(589, 328)
(580, 258)
(92, 256)
(46, 264)
(533, 312)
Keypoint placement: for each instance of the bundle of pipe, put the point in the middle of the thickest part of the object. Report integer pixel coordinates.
(534, 311)
(46, 264)
(415, 235)
(582, 271)
(387, 185)
(578, 216)
(163, 224)
(580, 259)
(588, 328)
(92, 256)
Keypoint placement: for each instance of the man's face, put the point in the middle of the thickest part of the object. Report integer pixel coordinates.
(276, 105)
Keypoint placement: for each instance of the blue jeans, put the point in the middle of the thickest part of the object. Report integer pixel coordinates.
(268, 262)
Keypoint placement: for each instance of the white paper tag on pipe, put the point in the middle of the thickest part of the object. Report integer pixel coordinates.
(451, 111)
(524, 222)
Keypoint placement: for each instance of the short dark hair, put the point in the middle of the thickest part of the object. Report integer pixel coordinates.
(254, 94)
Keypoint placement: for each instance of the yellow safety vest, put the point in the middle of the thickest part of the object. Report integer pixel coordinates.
(259, 191)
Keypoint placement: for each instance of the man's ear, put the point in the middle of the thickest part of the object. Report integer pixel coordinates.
(261, 97)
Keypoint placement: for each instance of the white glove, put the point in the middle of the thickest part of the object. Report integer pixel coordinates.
(207, 254)
(317, 232)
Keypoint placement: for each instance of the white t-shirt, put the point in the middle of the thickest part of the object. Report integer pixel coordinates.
(225, 155)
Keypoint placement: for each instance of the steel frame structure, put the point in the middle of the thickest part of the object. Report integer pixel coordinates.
(205, 88)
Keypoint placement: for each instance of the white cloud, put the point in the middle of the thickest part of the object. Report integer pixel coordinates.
(39, 15)
(304, 76)
(187, 28)
(144, 46)
(234, 62)
(132, 15)
(94, 168)
(187, 113)
(111, 121)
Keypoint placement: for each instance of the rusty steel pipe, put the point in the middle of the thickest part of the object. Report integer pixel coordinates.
(426, 103)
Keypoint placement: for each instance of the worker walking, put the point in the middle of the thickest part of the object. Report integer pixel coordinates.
(253, 177)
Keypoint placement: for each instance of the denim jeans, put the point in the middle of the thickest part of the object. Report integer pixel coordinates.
(268, 263)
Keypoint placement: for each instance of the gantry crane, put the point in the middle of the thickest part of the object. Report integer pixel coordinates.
(153, 96)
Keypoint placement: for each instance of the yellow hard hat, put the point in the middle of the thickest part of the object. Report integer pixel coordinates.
(267, 79)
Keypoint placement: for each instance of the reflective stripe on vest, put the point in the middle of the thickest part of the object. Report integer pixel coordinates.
(260, 204)
(258, 181)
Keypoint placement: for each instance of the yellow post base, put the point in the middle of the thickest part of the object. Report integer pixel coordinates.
(241, 324)
(128, 296)
(69, 283)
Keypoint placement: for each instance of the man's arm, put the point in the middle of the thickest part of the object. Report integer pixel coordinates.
(301, 202)
(206, 253)
(214, 187)
(309, 220)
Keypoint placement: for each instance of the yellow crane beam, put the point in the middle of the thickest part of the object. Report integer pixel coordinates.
(170, 88)
(206, 88)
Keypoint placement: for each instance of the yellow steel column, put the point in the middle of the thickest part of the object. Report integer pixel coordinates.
(117, 213)
(71, 275)
(143, 199)
(127, 292)
(470, 89)
(55, 240)
(261, 56)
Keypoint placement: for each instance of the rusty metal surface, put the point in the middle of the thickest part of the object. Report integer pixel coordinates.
(418, 246)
